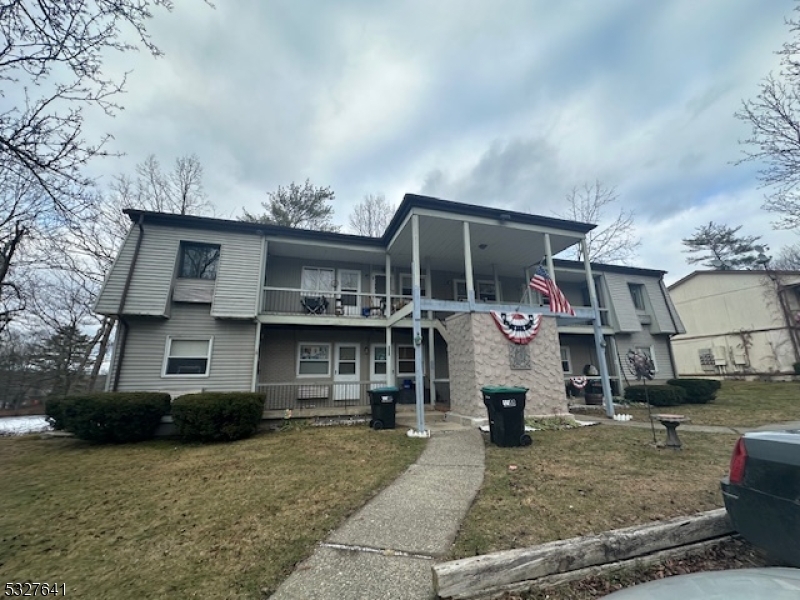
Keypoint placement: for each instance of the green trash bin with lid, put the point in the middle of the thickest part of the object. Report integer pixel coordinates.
(383, 401)
(506, 408)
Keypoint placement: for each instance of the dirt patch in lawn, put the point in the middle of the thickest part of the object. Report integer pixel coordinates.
(730, 554)
(589, 480)
(162, 519)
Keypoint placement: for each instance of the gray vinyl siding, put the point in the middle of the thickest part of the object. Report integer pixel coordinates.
(621, 302)
(660, 346)
(193, 290)
(676, 319)
(111, 293)
(238, 276)
(236, 288)
(232, 354)
(662, 320)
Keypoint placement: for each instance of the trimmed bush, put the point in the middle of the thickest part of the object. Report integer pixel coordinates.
(716, 384)
(54, 409)
(659, 395)
(698, 391)
(114, 417)
(217, 416)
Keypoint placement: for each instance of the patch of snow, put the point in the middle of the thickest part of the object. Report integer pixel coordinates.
(23, 425)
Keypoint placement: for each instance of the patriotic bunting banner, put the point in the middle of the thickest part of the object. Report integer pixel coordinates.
(578, 382)
(518, 328)
(542, 283)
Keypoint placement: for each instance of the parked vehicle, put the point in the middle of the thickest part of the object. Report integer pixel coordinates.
(737, 584)
(762, 492)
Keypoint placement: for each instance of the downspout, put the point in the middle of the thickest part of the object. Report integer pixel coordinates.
(123, 333)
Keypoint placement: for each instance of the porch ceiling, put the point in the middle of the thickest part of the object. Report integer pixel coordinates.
(509, 248)
(328, 252)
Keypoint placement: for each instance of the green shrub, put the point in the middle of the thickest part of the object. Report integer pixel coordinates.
(114, 417)
(659, 395)
(54, 409)
(698, 391)
(716, 384)
(217, 416)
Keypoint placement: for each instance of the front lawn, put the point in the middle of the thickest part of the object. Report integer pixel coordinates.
(163, 519)
(589, 480)
(740, 404)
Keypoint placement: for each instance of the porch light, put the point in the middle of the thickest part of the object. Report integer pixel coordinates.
(418, 340)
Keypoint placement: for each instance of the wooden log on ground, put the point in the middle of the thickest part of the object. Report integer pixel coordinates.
(482, 575)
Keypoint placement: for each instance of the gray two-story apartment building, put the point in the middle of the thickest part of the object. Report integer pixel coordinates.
(313, 320)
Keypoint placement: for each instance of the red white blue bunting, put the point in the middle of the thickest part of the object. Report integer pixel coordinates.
(578, 382)
(518, 328)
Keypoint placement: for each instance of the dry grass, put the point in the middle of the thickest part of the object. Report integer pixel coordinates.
(588, 480)
(162, 519)
(741, 404)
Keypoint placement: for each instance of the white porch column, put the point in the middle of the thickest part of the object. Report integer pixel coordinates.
(255, 357)
(548, 255)
(388, 285)
(417, 327)
(599, 342)
(468, 267)
(390, 377)
(431, 335)
(497, 293)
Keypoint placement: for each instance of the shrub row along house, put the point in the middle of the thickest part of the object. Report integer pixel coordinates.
(315, 319)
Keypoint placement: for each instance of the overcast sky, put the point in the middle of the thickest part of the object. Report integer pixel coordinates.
(500, 103)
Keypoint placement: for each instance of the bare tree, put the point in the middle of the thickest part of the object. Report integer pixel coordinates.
(788, 259)
(614, 240)
(301, 207)
(51, 62)
(774, 119)
(178, 191)
(371, 216)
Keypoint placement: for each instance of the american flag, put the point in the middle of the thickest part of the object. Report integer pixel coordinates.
(542, 283)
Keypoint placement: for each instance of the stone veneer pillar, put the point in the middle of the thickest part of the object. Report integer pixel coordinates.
(478, 355)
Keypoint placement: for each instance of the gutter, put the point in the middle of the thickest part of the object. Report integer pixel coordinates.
(123, 334)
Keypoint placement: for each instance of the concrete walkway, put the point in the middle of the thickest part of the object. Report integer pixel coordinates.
(386, 549)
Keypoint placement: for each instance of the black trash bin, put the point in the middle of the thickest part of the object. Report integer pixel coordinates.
(506, 408)
(383, 401)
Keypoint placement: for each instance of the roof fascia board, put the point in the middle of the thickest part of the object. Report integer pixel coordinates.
(425, 212)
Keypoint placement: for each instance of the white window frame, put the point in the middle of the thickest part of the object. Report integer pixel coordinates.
(373, 376)
(478, 285)
(397, 371)
(317, 292)
(566, 357)
(651, 353)
(423, 284)
(637, 289)
(313, 375)
(168, 350)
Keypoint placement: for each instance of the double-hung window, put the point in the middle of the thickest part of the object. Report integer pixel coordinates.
(317, 281)
(198, 261)
(313, 360)
(566, 362)
(187, 357)
(637, 295)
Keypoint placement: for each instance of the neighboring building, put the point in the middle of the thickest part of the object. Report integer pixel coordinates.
(315, 319)
(738, 323)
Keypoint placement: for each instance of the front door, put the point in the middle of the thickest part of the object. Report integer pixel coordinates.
(349, 288)
(346, 372)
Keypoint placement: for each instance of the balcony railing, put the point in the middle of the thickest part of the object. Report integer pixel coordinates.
(291, 396)
(293, 301)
